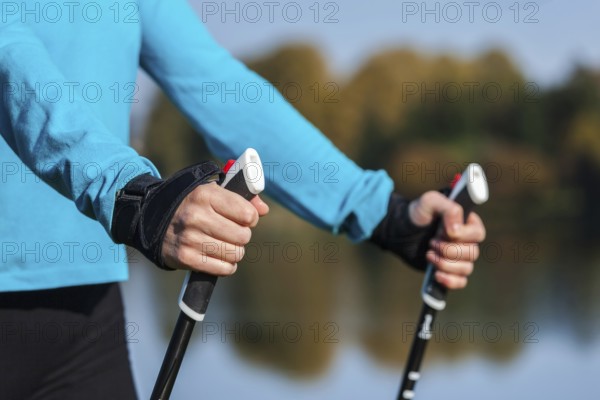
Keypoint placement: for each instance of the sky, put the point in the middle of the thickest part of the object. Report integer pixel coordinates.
(546, 38)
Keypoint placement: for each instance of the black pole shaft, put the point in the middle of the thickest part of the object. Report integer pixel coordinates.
(173, 357)
(198, 287)
(417, 351)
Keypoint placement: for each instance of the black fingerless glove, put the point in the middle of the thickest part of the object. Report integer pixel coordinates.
(398, 234)
(145, 206)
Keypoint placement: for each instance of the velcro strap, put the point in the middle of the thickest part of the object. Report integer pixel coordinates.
(145, 206)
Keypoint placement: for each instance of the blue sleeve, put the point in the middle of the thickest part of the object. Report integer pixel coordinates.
(235, 108)
(58, 139)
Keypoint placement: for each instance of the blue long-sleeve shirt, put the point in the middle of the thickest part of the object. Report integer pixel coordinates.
(67, 75)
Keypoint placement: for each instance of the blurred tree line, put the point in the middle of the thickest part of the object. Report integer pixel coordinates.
(403, 110)
(422, 118)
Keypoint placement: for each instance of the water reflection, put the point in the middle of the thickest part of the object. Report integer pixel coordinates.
(312, 316)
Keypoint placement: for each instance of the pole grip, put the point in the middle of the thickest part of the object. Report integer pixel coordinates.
(245, 177)
(470, 190)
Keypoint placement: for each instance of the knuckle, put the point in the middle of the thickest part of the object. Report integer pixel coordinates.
(482, 234)
(454, 207)
(199, 194)
(182, 216)
(430, 197)
(190, 218)
(249, 216)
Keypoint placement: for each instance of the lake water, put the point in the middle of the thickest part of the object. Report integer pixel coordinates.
(535, 338)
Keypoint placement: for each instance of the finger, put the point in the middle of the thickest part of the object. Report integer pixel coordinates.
(198, 246)
(220, 250)
(433, 204)
(459, 268)
(226, 203)
(191, 260)
(473, 231)
(215, 266)
(451, 281)
(215, 226)
(260, 205)
(234, 207)
(453, 221)
(456, 251)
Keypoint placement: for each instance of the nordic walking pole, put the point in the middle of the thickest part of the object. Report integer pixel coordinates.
(244, 177)
(470, 190)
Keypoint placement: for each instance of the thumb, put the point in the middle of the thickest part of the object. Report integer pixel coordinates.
(261, 206)
(434, 204)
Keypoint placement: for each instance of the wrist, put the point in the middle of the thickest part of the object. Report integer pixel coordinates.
(128, 203)
(398, 233)
(145, 206)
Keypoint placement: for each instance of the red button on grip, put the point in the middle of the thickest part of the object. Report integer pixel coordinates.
(455, 180)
(228, 166)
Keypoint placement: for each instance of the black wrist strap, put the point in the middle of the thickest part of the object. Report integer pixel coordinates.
(398, 234)
(128, 207)
(145, 206)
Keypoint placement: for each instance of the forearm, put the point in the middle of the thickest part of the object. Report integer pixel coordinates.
(60, 139)
(305, 171)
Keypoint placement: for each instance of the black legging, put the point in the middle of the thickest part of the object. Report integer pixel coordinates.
(66, 343)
